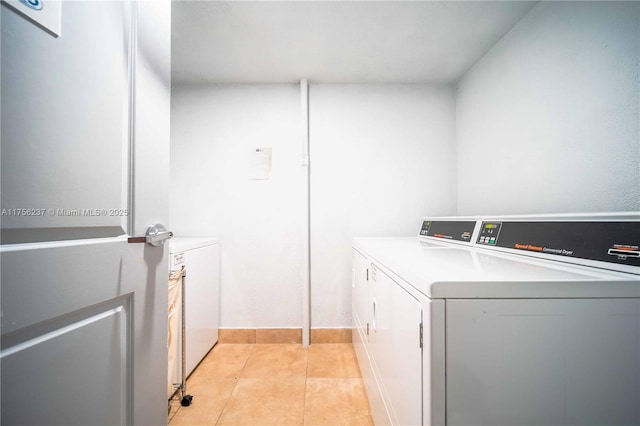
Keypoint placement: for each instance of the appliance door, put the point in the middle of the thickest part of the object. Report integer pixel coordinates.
(543, 362)
(396, 348)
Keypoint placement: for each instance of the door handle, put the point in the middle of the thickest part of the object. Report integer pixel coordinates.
(156, 235)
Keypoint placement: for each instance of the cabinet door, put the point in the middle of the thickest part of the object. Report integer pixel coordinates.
(202, 299)
(395, 340)
(361, 296)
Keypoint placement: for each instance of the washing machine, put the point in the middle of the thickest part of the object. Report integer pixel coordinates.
(535, 321)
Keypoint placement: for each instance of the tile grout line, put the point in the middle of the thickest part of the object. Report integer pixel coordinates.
(219, 419)
(174, 414)
(350, 376)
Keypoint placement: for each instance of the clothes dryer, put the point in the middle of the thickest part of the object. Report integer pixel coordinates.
(507, 338)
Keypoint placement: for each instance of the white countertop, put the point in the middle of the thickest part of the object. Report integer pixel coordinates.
(177, 244)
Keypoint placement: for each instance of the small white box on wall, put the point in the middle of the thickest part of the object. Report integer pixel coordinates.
(259, 164)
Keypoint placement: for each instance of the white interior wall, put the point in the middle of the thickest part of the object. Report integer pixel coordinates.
(548, 120)
(214, 130)
(381, 157)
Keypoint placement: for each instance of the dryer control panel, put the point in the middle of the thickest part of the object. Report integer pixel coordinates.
(448, 229)
(614, 242)
(489, 232)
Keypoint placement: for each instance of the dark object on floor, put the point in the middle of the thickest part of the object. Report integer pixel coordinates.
(186, 400)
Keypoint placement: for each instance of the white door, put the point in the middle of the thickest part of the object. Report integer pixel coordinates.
(85, 145)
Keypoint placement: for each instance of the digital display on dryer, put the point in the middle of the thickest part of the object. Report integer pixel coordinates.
(489, 233)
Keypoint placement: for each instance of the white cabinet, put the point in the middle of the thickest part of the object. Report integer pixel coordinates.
(200, 256)
(388, 322)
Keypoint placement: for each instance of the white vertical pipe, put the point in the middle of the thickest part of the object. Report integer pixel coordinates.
(306, 242)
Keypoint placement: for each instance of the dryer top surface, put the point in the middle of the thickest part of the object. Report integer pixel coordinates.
(453, 271)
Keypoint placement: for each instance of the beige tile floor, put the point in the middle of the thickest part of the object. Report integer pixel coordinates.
(276, 384)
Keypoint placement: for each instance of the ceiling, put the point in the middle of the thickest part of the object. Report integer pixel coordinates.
(335, 41)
